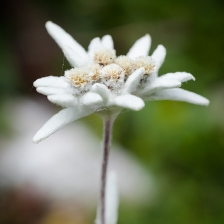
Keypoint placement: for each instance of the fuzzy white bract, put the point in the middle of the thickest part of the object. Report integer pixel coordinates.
(104, 83)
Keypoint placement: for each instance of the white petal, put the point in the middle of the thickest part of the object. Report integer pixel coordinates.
(94, 44)
(91, 99)
(179, 95)
(112, 199)
(59, 120)
(52, 90)
(159, 56)
(51, 81)
(73, 51)
(64, 100)
(159, 84)
(141, 47)
(180, 76)
(129, 101)
(133, 81)
(103, 91)
(74, 58)
(107, 42)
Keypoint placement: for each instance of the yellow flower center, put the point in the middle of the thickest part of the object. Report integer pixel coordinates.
(126, 63)
(112, 71)
(104, 56)
(94, 71)
(79, 77)
(146, 62)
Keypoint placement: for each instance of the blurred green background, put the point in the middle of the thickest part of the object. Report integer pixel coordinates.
(181, 144)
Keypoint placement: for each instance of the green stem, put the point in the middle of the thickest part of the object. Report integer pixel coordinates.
(108, 124)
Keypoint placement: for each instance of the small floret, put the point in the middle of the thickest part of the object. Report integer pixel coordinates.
(94, 72)
(104, 56)
(112, 76)
(146, 62)
(126, 63)
(79, 78)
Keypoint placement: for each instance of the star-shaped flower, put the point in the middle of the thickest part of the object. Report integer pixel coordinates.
(103, 83)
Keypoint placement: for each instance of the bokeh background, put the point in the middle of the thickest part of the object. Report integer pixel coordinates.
(179, 144)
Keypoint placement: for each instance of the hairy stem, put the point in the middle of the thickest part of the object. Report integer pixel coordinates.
(108, 123)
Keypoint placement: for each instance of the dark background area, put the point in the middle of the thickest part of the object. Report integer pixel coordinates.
(182, 145)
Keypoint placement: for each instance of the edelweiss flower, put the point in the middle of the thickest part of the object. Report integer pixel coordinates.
(103, 83)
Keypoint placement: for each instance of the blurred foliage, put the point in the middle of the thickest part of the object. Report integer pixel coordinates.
(180, 144)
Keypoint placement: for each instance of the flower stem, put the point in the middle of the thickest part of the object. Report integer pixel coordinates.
(108, 124)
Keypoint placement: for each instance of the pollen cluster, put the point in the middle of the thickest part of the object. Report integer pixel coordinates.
(104, 56)
(146, 62)
(109, 70)
(112, 76)
(79, 78)
(94, 71)
(126, 63)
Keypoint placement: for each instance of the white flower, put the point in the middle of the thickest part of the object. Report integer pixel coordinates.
(103, 83)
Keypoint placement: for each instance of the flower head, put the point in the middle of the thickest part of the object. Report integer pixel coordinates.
(102, 82)
(126, 63)
(104, 56)
(145, 62)
(80, 79)
(112, 76)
